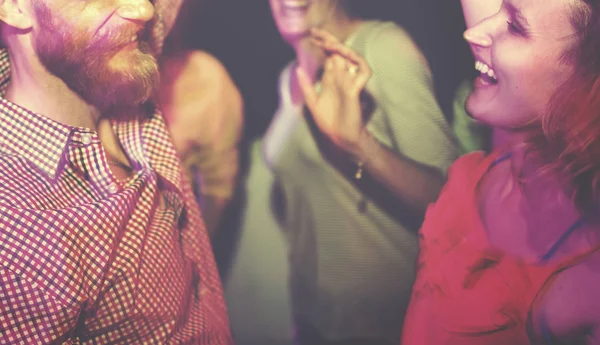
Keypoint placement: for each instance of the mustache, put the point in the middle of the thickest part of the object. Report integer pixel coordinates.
(114, 39)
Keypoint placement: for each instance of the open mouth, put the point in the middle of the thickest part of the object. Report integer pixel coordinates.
(486, 73)
(295, 5)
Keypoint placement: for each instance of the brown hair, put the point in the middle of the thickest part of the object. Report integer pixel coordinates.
(570, 139)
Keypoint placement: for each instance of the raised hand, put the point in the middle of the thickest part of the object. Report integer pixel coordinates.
(336, 109)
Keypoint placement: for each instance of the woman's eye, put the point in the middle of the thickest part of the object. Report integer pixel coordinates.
(512, 28)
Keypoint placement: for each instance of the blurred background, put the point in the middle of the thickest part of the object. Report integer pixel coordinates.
(242, 35)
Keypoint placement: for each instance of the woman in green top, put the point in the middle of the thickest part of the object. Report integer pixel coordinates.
(352, 203)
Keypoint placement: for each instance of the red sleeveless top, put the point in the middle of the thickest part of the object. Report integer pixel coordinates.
(467, 292)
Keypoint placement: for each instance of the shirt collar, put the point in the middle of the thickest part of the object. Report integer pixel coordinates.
(23, 133)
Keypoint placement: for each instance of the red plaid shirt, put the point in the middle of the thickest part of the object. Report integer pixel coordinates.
(85, 255)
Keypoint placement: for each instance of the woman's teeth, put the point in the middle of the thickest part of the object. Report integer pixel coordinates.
(486, 70)
(295, 4)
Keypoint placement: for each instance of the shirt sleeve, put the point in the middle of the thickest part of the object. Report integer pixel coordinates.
(403, 88)
(28, 316)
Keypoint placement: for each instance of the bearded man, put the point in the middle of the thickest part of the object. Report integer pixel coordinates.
(101, 241)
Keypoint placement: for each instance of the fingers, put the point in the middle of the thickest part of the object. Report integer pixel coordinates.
(356, 65)
(344, 75)
(342, 72)
(363, 75)
(338, 48)
(330, 72)
(323, 35)
(332, 45)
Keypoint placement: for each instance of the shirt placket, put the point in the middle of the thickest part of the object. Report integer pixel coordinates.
(87, 156)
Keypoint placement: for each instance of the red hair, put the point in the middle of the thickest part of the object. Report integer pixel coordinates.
(570, 139)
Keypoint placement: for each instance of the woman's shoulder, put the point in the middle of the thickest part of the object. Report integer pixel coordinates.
(465, 171)
(384, 29)
(384, 37)
(470, 162)
(571, 304)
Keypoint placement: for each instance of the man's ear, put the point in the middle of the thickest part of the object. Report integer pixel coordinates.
(16, 13)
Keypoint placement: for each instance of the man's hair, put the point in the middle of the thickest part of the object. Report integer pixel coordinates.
(569, 142)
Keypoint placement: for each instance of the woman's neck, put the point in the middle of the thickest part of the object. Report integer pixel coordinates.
(504, 139)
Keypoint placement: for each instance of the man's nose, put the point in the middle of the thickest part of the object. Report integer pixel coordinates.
(136, 10)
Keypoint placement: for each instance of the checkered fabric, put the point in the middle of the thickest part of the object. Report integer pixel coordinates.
(121, 262)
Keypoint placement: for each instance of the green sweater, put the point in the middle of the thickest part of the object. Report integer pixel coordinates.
(352, 267)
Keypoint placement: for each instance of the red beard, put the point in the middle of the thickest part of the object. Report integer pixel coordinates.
(83, 61)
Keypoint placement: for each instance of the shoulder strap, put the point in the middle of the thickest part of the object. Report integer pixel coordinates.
(575, 226)
(545, 332)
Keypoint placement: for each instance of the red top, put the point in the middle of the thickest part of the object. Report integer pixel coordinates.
(468, 292)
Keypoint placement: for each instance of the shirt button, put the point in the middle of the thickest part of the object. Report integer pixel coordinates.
(113, 188)
(86, 138)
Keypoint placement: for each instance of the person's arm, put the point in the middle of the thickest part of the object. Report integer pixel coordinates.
(416, 184)
(204, 112)
(413, 171)
(568, 310)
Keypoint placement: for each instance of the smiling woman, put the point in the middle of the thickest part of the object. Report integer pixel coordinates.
(528, 68)
(348, 216)
(509, 252)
